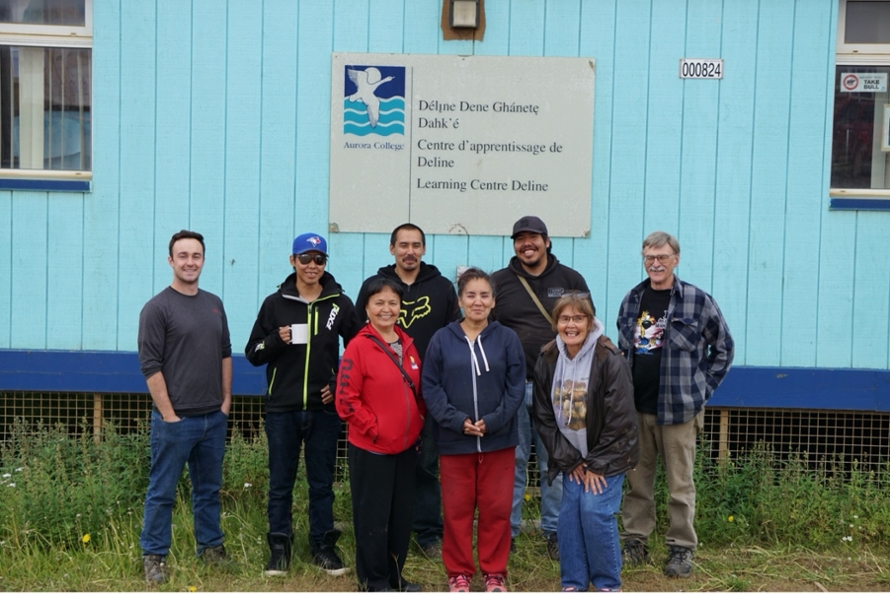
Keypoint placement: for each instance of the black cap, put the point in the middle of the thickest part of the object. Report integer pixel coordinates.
(530, 224)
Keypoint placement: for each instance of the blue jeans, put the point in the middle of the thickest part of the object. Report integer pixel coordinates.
(550, 494)
(200, 442)
(286, 432)
(589, 551)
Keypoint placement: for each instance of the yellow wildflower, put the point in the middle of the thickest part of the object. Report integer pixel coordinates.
(85, 539)
(730, 519)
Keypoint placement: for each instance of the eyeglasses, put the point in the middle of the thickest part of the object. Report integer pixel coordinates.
(662, 258)
(566, 319)
(319, 259)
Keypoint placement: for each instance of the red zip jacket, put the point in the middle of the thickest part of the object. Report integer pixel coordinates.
(374, 398)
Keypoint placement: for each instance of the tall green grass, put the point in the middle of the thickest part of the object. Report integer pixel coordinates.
(71, 512)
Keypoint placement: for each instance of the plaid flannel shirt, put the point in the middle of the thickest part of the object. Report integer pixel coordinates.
(697, 351)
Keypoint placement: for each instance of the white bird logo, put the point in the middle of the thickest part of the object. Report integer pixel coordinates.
(366, 82)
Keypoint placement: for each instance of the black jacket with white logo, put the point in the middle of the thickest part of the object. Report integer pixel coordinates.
(296, 373)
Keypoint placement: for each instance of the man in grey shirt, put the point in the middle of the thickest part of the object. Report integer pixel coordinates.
(186, 358)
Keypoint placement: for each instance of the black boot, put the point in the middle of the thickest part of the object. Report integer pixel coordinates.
(324, 555)
(279, 558)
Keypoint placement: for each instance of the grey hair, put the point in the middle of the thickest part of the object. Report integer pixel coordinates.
(656, 239)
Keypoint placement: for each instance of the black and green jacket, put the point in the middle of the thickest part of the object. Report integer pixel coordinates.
(296, 373)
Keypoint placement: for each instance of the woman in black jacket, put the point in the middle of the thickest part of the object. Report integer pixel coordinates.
(584, 411)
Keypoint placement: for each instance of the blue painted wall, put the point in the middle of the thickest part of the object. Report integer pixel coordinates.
(214, 116)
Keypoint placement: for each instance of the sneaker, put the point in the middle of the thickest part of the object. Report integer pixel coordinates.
(553, 546)
(324, 555)
(635, 553)
(495, 582)
(459, 583)
(432, 551)
(154, 569)
(679, 562)
(279, 554)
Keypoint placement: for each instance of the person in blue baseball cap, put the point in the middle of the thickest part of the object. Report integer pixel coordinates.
(297, 337)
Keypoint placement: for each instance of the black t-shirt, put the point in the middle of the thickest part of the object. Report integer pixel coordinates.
(648, 340)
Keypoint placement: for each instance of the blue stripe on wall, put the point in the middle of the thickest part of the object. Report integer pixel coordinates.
(746, 387)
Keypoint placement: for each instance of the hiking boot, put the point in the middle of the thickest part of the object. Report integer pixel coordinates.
(495, 582)
(279, 553)
(324, 555)
(635, 553)
(459, 583)
(154, 568)
(553, 546)
(216, 556)
(679, 562)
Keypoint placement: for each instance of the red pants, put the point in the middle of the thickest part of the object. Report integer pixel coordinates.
(471, 482)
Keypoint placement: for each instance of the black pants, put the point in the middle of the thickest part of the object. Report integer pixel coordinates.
(382, 487)
(427, 523)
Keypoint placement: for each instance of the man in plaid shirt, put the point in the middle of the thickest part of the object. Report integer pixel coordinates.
(679, 348)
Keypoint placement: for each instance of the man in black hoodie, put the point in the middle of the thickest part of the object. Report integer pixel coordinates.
(297, 336)
(533, 270)
(428, 304)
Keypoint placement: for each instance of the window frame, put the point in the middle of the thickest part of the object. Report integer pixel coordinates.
(49, 36)
(855, 54)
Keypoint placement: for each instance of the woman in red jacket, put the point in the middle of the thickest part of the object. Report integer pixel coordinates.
(377, 395)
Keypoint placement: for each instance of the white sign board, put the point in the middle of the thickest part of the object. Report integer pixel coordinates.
(864, 82)
(701, 68)
(460, 144)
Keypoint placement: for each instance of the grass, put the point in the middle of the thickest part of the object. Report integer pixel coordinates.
(70, 516)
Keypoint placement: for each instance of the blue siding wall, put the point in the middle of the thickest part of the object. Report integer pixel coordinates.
(215, 116)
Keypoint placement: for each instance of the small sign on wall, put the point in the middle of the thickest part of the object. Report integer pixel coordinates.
(864, 82)
(701, 68)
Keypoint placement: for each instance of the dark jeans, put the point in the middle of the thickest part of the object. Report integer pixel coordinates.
(382, 487)
(286, 433)
(427, 491)
(200, 442)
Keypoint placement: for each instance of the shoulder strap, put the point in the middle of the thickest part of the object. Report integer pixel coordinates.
(395, 361)
(534, 298)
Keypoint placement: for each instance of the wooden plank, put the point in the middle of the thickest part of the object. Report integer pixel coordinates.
(172, 152)
(313, 115)
(272, 244)
(101, 221)
(29, 278)
(562, 36)
(65, 271)
(665, 133)
(629, 121)
(386, 26)
(598, 41)
(732, 194)
(138, 248)
(699, 146)
(806, 195)
(233, 271)
(770, 158)
(351, 24)
(871, 292)
(6, 270)
(526, 28)
(836, 270)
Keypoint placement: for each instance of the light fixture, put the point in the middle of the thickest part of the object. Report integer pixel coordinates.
(465, 14)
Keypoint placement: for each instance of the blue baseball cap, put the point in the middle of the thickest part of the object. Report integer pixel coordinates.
(310, 242)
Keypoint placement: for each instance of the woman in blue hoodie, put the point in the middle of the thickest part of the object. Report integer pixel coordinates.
(473, 383)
